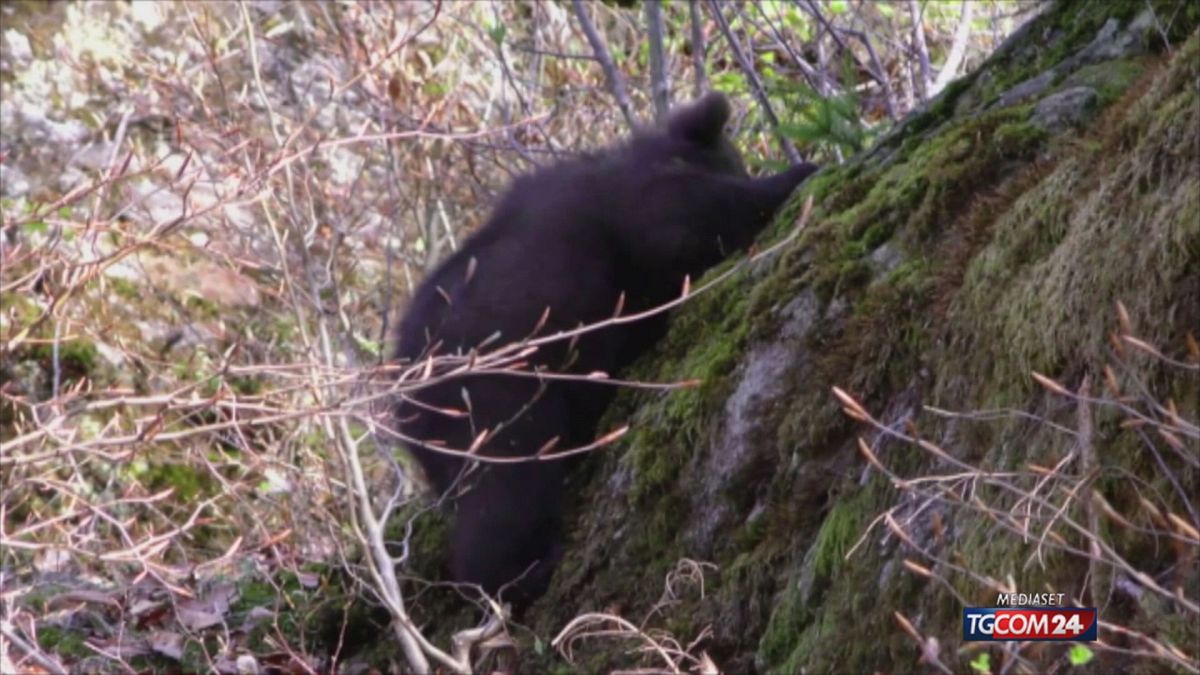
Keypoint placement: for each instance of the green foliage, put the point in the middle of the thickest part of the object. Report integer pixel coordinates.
(1080, 655)
(826, 122)
(829, 121)
(497, 32)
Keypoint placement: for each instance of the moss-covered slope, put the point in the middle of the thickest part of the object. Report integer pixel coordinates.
(988, 237)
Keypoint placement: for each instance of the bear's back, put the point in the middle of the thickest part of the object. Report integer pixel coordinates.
(545, 246)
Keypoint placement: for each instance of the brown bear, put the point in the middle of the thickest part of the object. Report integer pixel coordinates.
(562, 248)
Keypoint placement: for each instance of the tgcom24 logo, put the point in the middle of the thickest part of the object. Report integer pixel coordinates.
(994, 624)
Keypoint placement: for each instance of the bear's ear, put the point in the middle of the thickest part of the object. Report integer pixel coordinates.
(701, 122)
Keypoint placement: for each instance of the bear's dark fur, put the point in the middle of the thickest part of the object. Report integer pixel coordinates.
(572, 238)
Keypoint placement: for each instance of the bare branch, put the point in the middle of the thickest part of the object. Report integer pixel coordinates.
(616, 83)
(31, 650)
(660, 86)
(962, 34)
(918, 43)
(700, 77)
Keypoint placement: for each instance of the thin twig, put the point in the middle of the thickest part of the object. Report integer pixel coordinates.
(876, 70)
(756, 85)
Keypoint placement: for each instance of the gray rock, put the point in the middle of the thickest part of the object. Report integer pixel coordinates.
(1027, 89)
(1064, 109)
(886, 258)
(1113, 43)
(800, 314)
(761, 382)
(13, 182)
(93, 156)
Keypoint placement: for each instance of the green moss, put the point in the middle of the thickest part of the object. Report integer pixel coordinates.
(77, 358)
(718, 320)
(827, 591)
(841, 528)
(1074, 26)
(1016, 138)
(246, 386)
(1110, 79)
(188, 482)
(65, 643)
(918, 193)
(297, 605)
(941, 108)
(201, 308)
(1063, 247)
(283, 328)
(787, 623)
(428, 540)
(23, 309)
(124, 288)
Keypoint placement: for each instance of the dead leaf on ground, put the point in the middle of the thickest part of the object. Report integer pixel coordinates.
(167, 644)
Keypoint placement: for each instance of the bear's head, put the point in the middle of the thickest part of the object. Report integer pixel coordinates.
(695, 136)
(700, 127)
